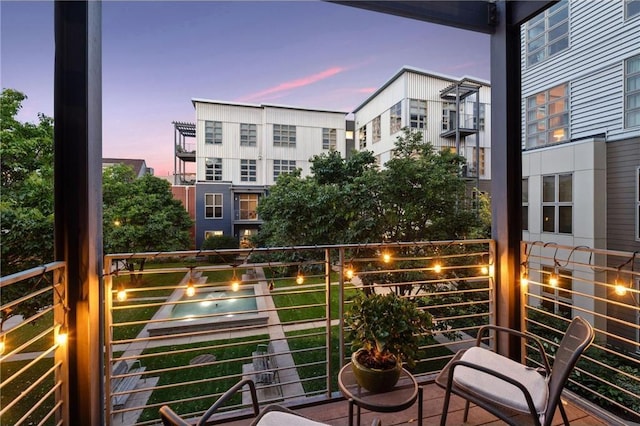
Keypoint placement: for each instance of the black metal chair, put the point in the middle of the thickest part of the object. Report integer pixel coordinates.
(272, 415)
(507, 388)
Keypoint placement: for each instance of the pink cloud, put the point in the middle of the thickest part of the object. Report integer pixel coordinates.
(294, 84)
(366, 90)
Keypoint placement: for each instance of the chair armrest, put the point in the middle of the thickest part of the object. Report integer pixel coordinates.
(228, 395)
(527, 336)
(170, 418)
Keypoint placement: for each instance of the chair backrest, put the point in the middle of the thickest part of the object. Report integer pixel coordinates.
(576, 339)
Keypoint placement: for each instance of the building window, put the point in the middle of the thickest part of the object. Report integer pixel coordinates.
(208, 234)
(481, 116)
(548, 33)
(557, 203)
(283, 166)
(525, 204)
(329, 138)
(417, 114)
(548, 117)
(631, 8)
(395, 118)
(247, 170)
(557, 299)
(212, 132)
(248, 134)
(632, 92)
(638, 204)
(248, 206)
(284, 135)
(377, 133)
(362, 137)
(479, 168)
(213, 169)
(213, 206)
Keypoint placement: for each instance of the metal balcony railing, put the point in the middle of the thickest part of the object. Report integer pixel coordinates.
(190, 324)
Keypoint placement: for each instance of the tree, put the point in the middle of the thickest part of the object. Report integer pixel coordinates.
(141, 215)
(420, 195)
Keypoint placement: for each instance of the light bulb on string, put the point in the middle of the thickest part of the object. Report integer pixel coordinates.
(620, 287)
(121, 294)
(299, 277)
(2, 345)
(191, 289)
(62, 336)
(437, 267)
(349, 272)
(386, 257)
(235, 282)
(554, 278)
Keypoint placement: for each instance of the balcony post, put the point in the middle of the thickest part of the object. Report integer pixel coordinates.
(506, 170)
(78, 199)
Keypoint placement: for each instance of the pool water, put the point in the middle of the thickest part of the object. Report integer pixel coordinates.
(215, 302)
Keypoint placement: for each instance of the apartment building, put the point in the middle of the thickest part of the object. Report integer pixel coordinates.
(241, 149)
(581, 140)
(452, 113)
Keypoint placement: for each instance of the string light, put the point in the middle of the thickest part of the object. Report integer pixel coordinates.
(191, 290)
(349, 272)
(235, 282)
(524, 277)
(299, 277)
(2, 345)
(386, 257)
(121, 294)
(437, 267)
(620, 287)
(554, 277)
(62, 336)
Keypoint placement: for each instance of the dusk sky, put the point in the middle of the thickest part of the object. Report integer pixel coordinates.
(158, 55)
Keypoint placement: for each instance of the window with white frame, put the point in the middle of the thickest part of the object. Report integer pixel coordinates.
(248, 170)
(284, 135)
(632, 92)
(212, 132)
(362, 137)
(283, 166)
(558, 298)
(248, 134)
(525, 204)
(329, 138)
(248, 206)
(638, 204)
(213, 206)
(481, 116)
(213, 169)
(417, 114)
(557, 203)
(449, 116)
(548, 117)
(547, 33)
(631, 8)
(395, 118)
(375, 129)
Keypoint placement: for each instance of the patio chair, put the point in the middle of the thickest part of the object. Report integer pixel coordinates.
(272, 415)
(507, 388)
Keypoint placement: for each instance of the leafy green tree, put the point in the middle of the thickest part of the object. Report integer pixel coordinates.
(216, 242)
(419, 195)
(26, 205)
(141, 215)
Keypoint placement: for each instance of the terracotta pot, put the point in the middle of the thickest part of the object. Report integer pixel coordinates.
(373, 379)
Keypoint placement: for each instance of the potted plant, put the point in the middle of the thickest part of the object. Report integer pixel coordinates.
(385, 332)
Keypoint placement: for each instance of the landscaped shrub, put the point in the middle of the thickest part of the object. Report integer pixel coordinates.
(217, 242)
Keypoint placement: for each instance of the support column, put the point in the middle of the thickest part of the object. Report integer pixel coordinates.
(506, 170)
(78, 198)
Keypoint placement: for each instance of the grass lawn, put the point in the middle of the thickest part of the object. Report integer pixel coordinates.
(213, 376)
(20, 384)
(288, 302)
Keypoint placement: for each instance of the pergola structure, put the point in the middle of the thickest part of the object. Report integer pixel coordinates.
(78, 152)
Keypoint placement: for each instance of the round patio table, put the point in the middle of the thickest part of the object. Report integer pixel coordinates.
(402, 396)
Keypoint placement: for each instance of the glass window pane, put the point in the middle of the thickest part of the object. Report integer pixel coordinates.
(535, 44)
(535, 30)
(565, 188)
(548, 219)
(549, 189)
(525, 218)
(557, 107)
(565, 219)
(559, 45)
(633, 64)
(633, 8)
(633, 119)
(633, 101)
(525, 190)
(633, 83)
(559, 16)
(559, 31)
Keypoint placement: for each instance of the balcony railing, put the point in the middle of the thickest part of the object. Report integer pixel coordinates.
(180, 332)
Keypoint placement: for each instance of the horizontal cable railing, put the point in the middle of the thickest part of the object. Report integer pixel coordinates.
(32, 346)
(560, 282)
(191, 324)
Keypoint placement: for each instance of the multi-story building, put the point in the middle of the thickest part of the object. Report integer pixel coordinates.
(581, 138)
(241, 149)
(452, 113)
